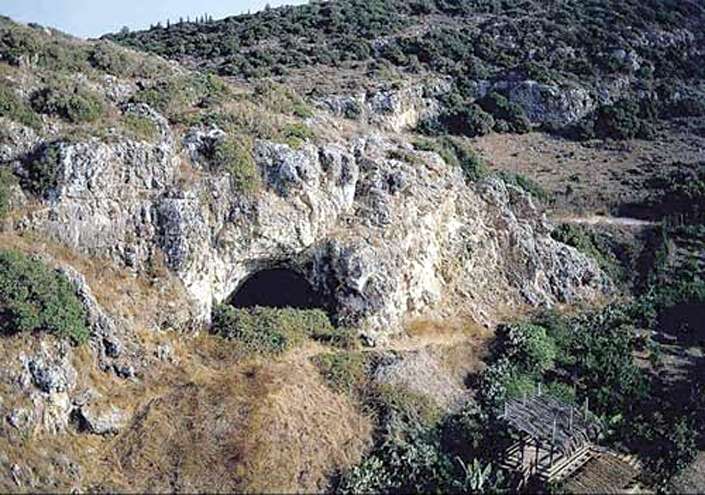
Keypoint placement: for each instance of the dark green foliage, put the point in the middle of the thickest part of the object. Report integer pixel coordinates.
(76, 105)
(591, 243)
(43, 169)
(457, 153)
(34, 297)
(528, 347)
(527, 185)
(140, 127)
(463, 119)
(7, 180)
(626, 119)
(508, 116)
(343, 371)
(270, 330)
(666, 441)
(13, 108)
(678, 194)
(234, 156)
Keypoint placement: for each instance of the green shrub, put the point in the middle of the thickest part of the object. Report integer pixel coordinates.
(591, 244)
(527, 185)
(7, 180)
(470, 120)
(508, 116)
(13, 108)
(528, 347)
(234, 156)
(111, 59)
(140, 127)
(457, 153)
(172, 96)
(625, 119)
(43, 169)
(35, 298)
(343, 371)
(269, 330)
(77, 105)
(296, 134)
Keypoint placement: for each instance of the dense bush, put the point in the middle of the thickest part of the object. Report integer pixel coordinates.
(140, 127)
(13, 108)
(343, 371)
(270, 330)
(625, 119)
(508, 116)
(457, 153)
(34, 297)
(7, 180)
(76, 105)
(235, 157)
(528, 347)
(43, 169)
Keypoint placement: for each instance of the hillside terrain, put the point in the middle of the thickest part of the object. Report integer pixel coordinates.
(318, 248)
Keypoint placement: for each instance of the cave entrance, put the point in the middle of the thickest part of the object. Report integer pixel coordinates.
(277, 288)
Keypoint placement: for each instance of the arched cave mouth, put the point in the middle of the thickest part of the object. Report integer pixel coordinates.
(277, 288)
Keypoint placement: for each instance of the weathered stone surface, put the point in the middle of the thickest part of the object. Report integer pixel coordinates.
(101, 419)
(383, 231)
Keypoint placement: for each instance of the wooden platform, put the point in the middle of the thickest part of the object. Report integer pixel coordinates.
(605, 472)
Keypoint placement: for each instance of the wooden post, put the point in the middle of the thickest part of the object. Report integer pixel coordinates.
(539, 389)
(553, 440)
(536, 459)
(585, 408)
(571, 419)
(505, 409)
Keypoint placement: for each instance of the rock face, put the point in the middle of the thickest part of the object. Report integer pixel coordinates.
(378, 228)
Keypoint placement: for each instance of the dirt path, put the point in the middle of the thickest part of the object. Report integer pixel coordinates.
(605, 220)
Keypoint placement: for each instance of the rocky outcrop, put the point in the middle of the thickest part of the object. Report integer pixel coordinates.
(381, 230)
(392, 110)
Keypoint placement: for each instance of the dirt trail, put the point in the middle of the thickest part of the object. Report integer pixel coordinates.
(605, 220)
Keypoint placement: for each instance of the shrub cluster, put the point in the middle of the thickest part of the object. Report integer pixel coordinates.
(272, 331)
(13, 108)
(43, 169)
(76, 105)
(457, 153)
(34, 297)
(235, 157)
(140, 127)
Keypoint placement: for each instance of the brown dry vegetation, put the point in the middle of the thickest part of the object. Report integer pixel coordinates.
(595, 176)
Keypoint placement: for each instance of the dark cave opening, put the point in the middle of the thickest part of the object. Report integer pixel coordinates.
(277, 288)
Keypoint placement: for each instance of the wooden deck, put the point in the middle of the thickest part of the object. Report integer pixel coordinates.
(605, 472)
(539, 463)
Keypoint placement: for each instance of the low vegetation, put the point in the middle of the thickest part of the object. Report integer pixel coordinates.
(235, 156)
(76, 105)
(43, 169)
(35, 298)
(272, 331)
(7, 181)
(140, 127)
(455, 152)
(14, 108)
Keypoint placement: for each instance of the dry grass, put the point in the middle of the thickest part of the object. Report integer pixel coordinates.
(251, 427)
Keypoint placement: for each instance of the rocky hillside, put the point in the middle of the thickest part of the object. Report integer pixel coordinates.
(138, 196)
(269, 253)
(584, 69)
